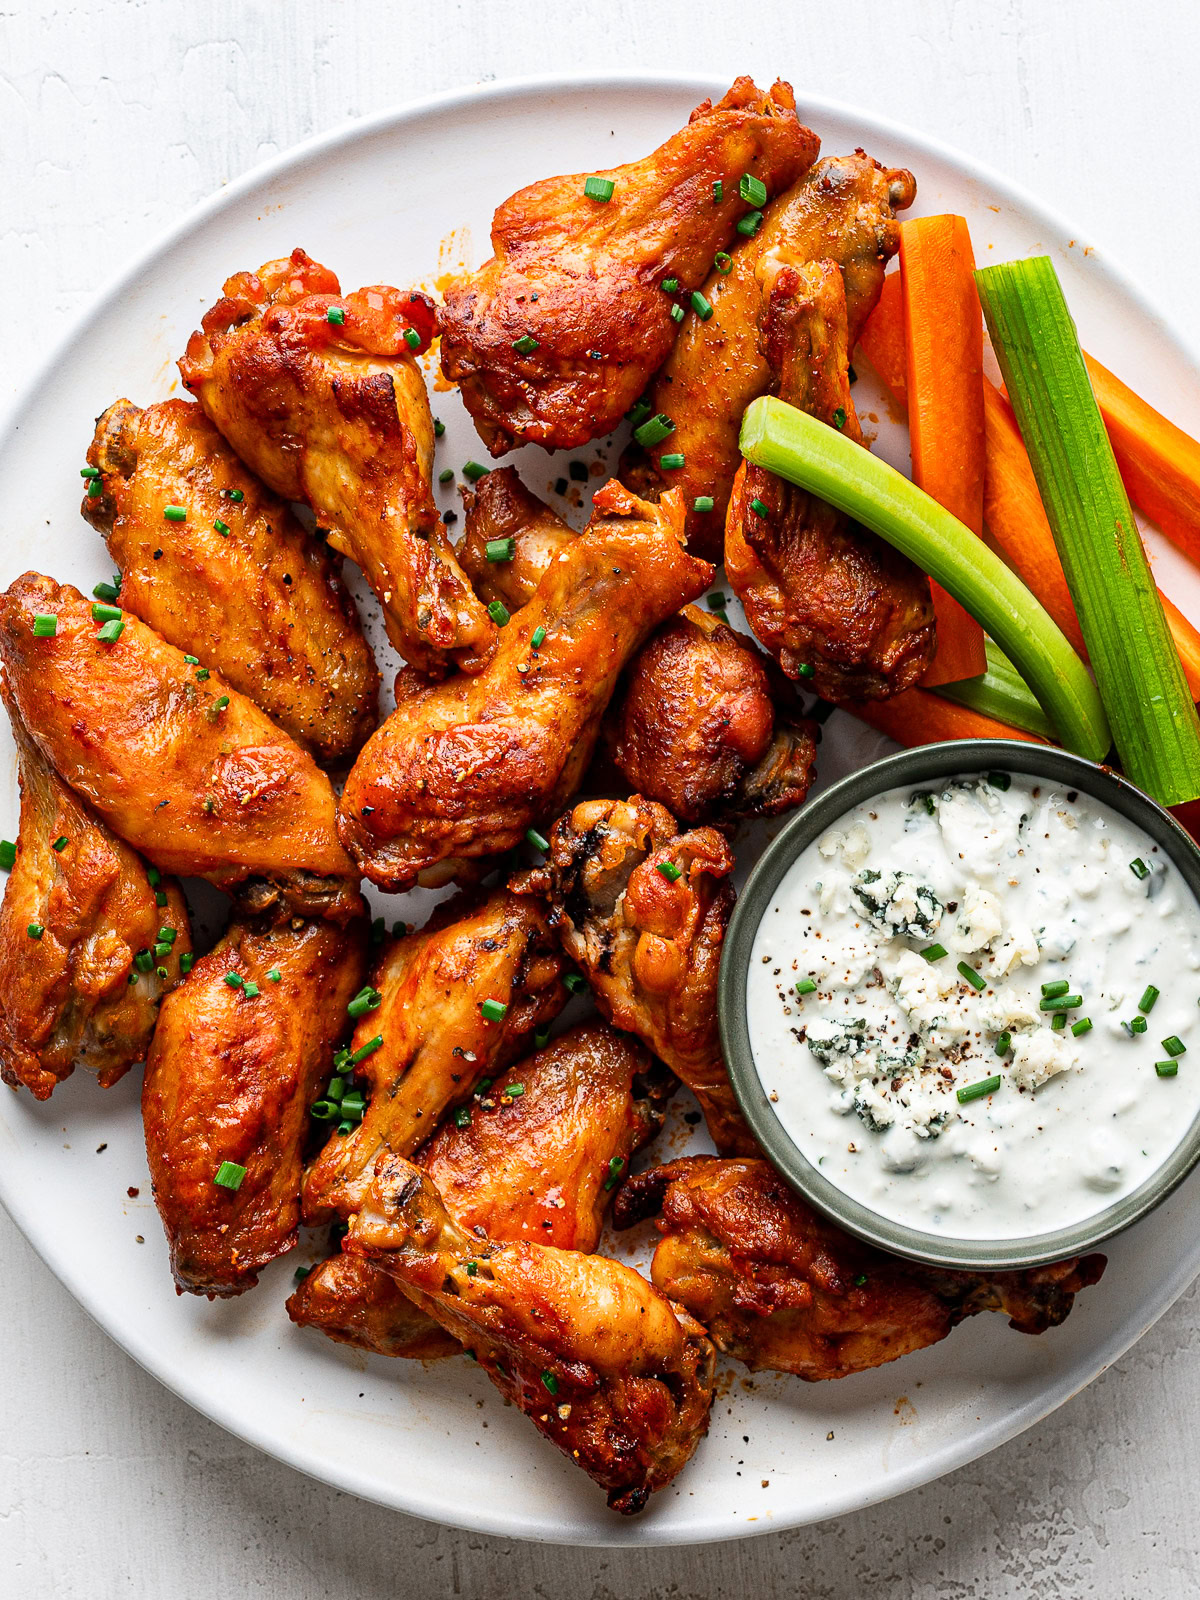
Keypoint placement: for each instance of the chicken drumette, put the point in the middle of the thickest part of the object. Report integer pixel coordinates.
(237, 581)
(322, 397)
(555, 337)
(843, 211)
(535, 1156)
(830, 600)
(643, 909)
(240, 1051)
(603, 1365)
(463, 768)
(174, 760)
(501, 509)
(90, 939)
(779, 1287)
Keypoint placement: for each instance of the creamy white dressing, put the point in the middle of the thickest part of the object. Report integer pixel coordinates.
(1024, 886)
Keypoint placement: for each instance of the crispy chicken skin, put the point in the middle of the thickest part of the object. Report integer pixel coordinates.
(335, 414)
(540, 1165)
(74, 995)
(694, 726)
(463, 768)
(842, 210)
(437, 1043)
(230, 1077)
(818, 589)
(584, 278)
(201, 789)
(649, 946)
(501, 507)
(779, 1287)
(602, 1365)
(263, 603)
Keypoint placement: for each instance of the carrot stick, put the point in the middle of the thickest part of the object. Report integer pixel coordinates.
(918, 717)
(1012, 508)
(1159, 463)
(943, 347)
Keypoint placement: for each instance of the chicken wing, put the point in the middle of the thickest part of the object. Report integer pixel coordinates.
(90, 939)
(239, 1053)
(779, 1287)
(435, 1038)
(237, 582)
(842, 210)
(463, 768)
(555, 337)
(830, 600)
(500, 509)
(321, 396)
(174, 760)
(537, 1158)
(602, 1365)
(649, 940)
(694, 726)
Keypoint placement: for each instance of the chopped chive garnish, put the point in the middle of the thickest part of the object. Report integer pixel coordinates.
(162, 950)
(412, 338)
(446, 475)
(337, 1089)
(750, 223)
(716, 601)
(300, 1274)
(222, 528)
(972, 977)
(229, 1175)
(1000, 780)
(702, 502)
(143, 961)
(839, 417)
(220, 702)
(574, 982)
(366, 1050)
(89, 472)
(1174, 1045)
(806, 986)
(541, 1037)
(806, 670)
(8, 855)
(323, 1110)
(234, 980)
(525, 345)
(60, 843)
(615, 1168)
(1138, 1025)
(94, 488)
(44, 627)
(474, 470)
(1003, 1043)
(1060, 1002)
(462, 1117)
(501, 549)
(671, 462)
(1058, 1021)
(192, 661)
(701, 306)
(493, 1010)
(934, 952)
(670, 286)
(718, 192)
(439, 427)
(599, 188)
(353, 1105)
(337, 316)
(237, 495)
(111, 632)
(106, 591)
(345, 1127)
(723, 262)
(203, 674)
(752, 190)
(537, 840)
(976, 1091)
(1166, 1069)
(758, 508)
(1051, 991)
(365, 1000)
(677, 313)
(250, 990)
(669, 871)
(655, 430)
(537, 636)
(499, 613)
(472, 1268)
(1139, 868)
(35, 930)
(160, 898)
(175, 513)
(186, 961)
(1149, 996)
(1084, 1025)
(513, 1091)
(105, 613)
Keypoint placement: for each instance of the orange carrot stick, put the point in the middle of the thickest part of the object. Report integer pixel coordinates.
(1159, 463)
(882, 339)
(943, 347)
(918, 717)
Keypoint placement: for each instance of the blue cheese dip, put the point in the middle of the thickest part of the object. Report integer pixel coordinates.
(972, 1007)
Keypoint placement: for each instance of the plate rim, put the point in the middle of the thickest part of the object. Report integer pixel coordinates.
(646, 1531)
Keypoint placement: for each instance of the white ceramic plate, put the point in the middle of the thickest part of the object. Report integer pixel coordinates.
(392, 200)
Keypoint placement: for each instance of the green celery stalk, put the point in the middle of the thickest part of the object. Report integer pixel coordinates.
(1137, 667)
(795, 446)
(1001, 693)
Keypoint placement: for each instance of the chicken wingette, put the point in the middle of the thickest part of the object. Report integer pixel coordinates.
(173, 759)
(554, 338)
(91, 939)
(602, 1364)
(779, 1287)
(320, 394)
(463, 768)
(235, 580)
(501, 514)
(240, 1051)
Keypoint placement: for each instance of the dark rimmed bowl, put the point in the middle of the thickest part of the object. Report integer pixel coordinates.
(916, 767)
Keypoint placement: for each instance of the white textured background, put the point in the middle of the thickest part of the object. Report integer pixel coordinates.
(115, 117)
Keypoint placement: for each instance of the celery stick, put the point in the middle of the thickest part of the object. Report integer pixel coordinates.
(1001, 693)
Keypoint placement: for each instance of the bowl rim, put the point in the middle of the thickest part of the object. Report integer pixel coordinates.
(924, 764)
